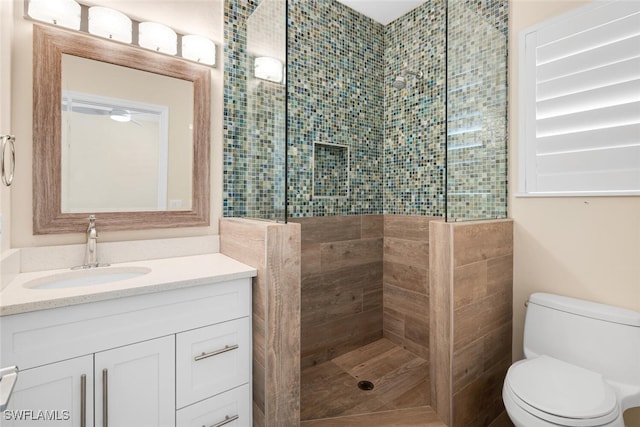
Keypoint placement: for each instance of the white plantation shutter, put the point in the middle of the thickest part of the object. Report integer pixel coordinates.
(580, 102)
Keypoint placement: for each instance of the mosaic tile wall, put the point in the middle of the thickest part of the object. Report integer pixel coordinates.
(411, 174)
(340, 68)
(266, 151)
(254, 111)
(414, 117)
(235, 159)
(476, 110)
(336, 96)
(495, 12)
(266, 114)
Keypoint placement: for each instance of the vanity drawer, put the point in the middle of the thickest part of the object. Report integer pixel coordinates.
(230, 409)
(212, 359)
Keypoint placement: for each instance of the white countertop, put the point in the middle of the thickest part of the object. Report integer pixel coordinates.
(166, 274)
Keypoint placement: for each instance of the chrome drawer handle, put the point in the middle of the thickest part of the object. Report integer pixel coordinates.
(216, 352)
(227, 420)
(83, 400)
(105, 398)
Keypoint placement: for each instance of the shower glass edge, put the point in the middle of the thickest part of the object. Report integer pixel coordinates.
(476, 110)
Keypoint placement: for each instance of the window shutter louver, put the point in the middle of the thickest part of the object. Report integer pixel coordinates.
(580, 103)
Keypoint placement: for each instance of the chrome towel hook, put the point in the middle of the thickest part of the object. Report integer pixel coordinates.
(8, 141)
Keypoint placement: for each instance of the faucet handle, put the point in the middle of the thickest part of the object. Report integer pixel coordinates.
(92, 225)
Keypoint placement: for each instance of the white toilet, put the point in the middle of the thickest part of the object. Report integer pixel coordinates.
(582, 365)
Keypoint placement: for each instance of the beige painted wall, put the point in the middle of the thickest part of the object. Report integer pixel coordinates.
(203, 17)
(584, 247)
(6, 35)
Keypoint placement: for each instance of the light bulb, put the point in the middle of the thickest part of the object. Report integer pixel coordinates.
(268, 68)
(199, 49)
(109, 23)
(158, 37)
(65, 13)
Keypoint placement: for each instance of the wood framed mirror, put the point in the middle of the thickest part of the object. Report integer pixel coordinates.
(109, 173)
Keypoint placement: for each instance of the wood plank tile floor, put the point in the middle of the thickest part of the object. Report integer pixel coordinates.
(423, 416)
(329, 390)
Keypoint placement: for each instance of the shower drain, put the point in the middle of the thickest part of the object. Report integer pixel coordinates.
(365, 385)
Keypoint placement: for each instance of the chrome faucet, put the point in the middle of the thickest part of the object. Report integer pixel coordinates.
(91, 250)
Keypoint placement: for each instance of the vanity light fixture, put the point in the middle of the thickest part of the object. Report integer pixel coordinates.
(115, 25)
(110, 24)
(267, 68)
(158, 37)
(65, 13)
(120, 115)
(199, 49)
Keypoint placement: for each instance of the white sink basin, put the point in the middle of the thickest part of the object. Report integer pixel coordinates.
(90, 277)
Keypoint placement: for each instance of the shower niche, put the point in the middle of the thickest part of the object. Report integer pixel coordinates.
(330, 170)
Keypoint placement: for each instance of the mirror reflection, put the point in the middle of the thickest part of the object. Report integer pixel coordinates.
(126, 146)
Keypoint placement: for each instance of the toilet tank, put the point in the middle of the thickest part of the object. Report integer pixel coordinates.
(595, 336)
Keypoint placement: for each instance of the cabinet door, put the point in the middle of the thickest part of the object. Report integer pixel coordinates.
(135, 385)
(59, 394)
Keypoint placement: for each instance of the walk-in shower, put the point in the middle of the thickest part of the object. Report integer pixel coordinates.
(387, 127)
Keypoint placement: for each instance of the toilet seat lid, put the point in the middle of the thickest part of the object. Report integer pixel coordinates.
(561, 389)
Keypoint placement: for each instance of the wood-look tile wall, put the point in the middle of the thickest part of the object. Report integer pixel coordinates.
(471, 282)
(452, 303)
(440, 322)
(274, 250)
(406, 282)
(364, 277)
(341, 292)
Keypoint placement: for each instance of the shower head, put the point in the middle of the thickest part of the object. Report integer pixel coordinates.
(400, 82)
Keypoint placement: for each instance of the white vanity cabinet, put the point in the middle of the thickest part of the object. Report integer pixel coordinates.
(63, 391)
(134, 386)
(163, 359)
